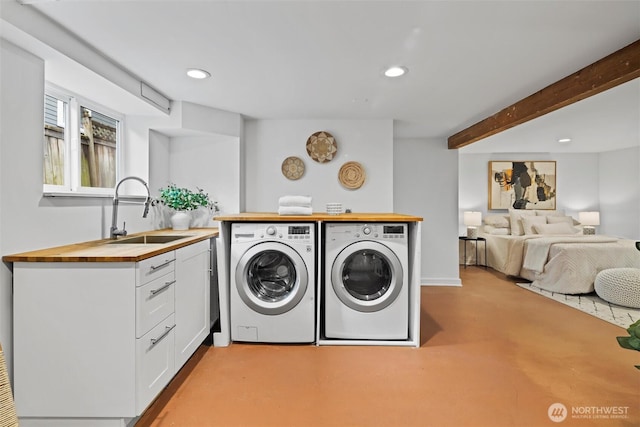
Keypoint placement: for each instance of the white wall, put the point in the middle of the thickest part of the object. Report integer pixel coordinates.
(210, 163)
(159, 158)
(416, 177)
(426, 184)
(608, 182)
(619, 192)
(269, 142)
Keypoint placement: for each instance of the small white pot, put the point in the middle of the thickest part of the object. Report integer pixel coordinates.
(180, 220)
(201, 217)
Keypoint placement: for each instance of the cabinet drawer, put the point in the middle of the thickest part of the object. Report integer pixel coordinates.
(155, 366)
(154, 302)
(152, 268)
(194, 249)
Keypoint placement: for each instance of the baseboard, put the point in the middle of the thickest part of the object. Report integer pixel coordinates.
(440, 281)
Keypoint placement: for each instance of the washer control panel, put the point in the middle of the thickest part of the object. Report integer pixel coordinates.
(271, 230)
(294, 233)
(299, 232)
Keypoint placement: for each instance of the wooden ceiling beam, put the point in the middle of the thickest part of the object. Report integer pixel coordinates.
(613, 70)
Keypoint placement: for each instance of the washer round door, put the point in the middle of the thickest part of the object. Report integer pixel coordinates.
(271, 278)
(367, 276)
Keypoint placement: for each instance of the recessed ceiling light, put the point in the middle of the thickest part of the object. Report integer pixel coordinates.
(564, 140)
(395, 71)
(196, 73)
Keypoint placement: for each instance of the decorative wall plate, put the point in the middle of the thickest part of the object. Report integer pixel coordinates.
(352, 175)
(322, 146)
(293, 168)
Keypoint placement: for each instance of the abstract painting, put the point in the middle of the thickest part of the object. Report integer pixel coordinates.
(522, 184)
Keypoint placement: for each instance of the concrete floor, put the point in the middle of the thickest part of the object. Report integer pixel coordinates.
(491, 355)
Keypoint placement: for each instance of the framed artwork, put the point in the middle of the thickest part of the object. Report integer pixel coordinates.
(522, 184)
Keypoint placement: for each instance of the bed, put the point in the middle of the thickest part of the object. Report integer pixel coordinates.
(549, 249)
(566, 264)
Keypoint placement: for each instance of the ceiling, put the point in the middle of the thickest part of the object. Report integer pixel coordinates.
(324, 60)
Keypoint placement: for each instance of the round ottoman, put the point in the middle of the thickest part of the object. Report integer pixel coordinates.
(619, 286)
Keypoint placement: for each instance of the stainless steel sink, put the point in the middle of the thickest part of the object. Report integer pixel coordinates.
(150, 239)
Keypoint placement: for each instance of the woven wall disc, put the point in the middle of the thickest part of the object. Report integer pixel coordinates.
(293, 168)
(322, 147)
(352, 175)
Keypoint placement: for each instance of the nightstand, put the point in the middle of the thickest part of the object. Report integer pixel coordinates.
(474, 239)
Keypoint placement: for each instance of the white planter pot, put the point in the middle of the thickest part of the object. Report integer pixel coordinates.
(180, 220)
(201, 217)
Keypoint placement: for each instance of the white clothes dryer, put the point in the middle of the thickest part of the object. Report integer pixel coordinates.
(272, 286)
(366, 290)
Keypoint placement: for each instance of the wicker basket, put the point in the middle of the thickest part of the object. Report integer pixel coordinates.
(352, 175)
(8, 417)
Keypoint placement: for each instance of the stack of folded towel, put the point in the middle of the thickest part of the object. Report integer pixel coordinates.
(294, 205)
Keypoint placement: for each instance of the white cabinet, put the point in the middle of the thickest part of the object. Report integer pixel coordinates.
(100, 340)
(155, 324)
(192, 299)
(155, 362)
(74, 340)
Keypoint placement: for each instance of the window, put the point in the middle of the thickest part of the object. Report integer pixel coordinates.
(82, 143)
(55, 123)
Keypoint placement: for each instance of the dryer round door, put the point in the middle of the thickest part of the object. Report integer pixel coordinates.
(271, 278)
(367, 276)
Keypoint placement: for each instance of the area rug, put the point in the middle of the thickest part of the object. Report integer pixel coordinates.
(591, 304)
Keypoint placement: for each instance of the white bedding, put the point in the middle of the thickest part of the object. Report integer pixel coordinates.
(564, 264)
(537, 250)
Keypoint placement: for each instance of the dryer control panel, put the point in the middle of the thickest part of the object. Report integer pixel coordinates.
(370, 231)
(394, 231)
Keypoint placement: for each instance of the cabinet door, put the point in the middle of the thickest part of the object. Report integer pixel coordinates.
(155, 362)
(74, 340)
(192, 304)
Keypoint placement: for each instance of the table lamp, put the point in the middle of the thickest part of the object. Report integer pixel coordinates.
(588, 220)
(472, 220)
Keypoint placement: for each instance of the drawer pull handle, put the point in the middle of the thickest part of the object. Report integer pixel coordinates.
(155, 267)
(162, 288)
(167, 329)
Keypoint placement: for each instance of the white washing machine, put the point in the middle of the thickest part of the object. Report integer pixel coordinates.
(366, 287)
(272, 286)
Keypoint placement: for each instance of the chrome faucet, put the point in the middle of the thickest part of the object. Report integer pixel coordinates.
(114, 232)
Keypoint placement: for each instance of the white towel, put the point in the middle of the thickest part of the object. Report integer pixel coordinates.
(303, 201)
(295, 210)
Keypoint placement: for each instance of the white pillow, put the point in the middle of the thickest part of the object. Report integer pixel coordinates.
(559, 228)
(516, 223)
(543, 212)
(529, 221)
(498, 231)
(498, 221)
(559, 219)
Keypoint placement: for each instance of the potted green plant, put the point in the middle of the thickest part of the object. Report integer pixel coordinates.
(632, 342)
(182, 201)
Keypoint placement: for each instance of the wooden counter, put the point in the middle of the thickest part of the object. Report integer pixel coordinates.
(106, 251)
(319, 216)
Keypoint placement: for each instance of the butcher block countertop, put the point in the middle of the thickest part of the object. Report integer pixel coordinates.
(320, 216)
(106, 251)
